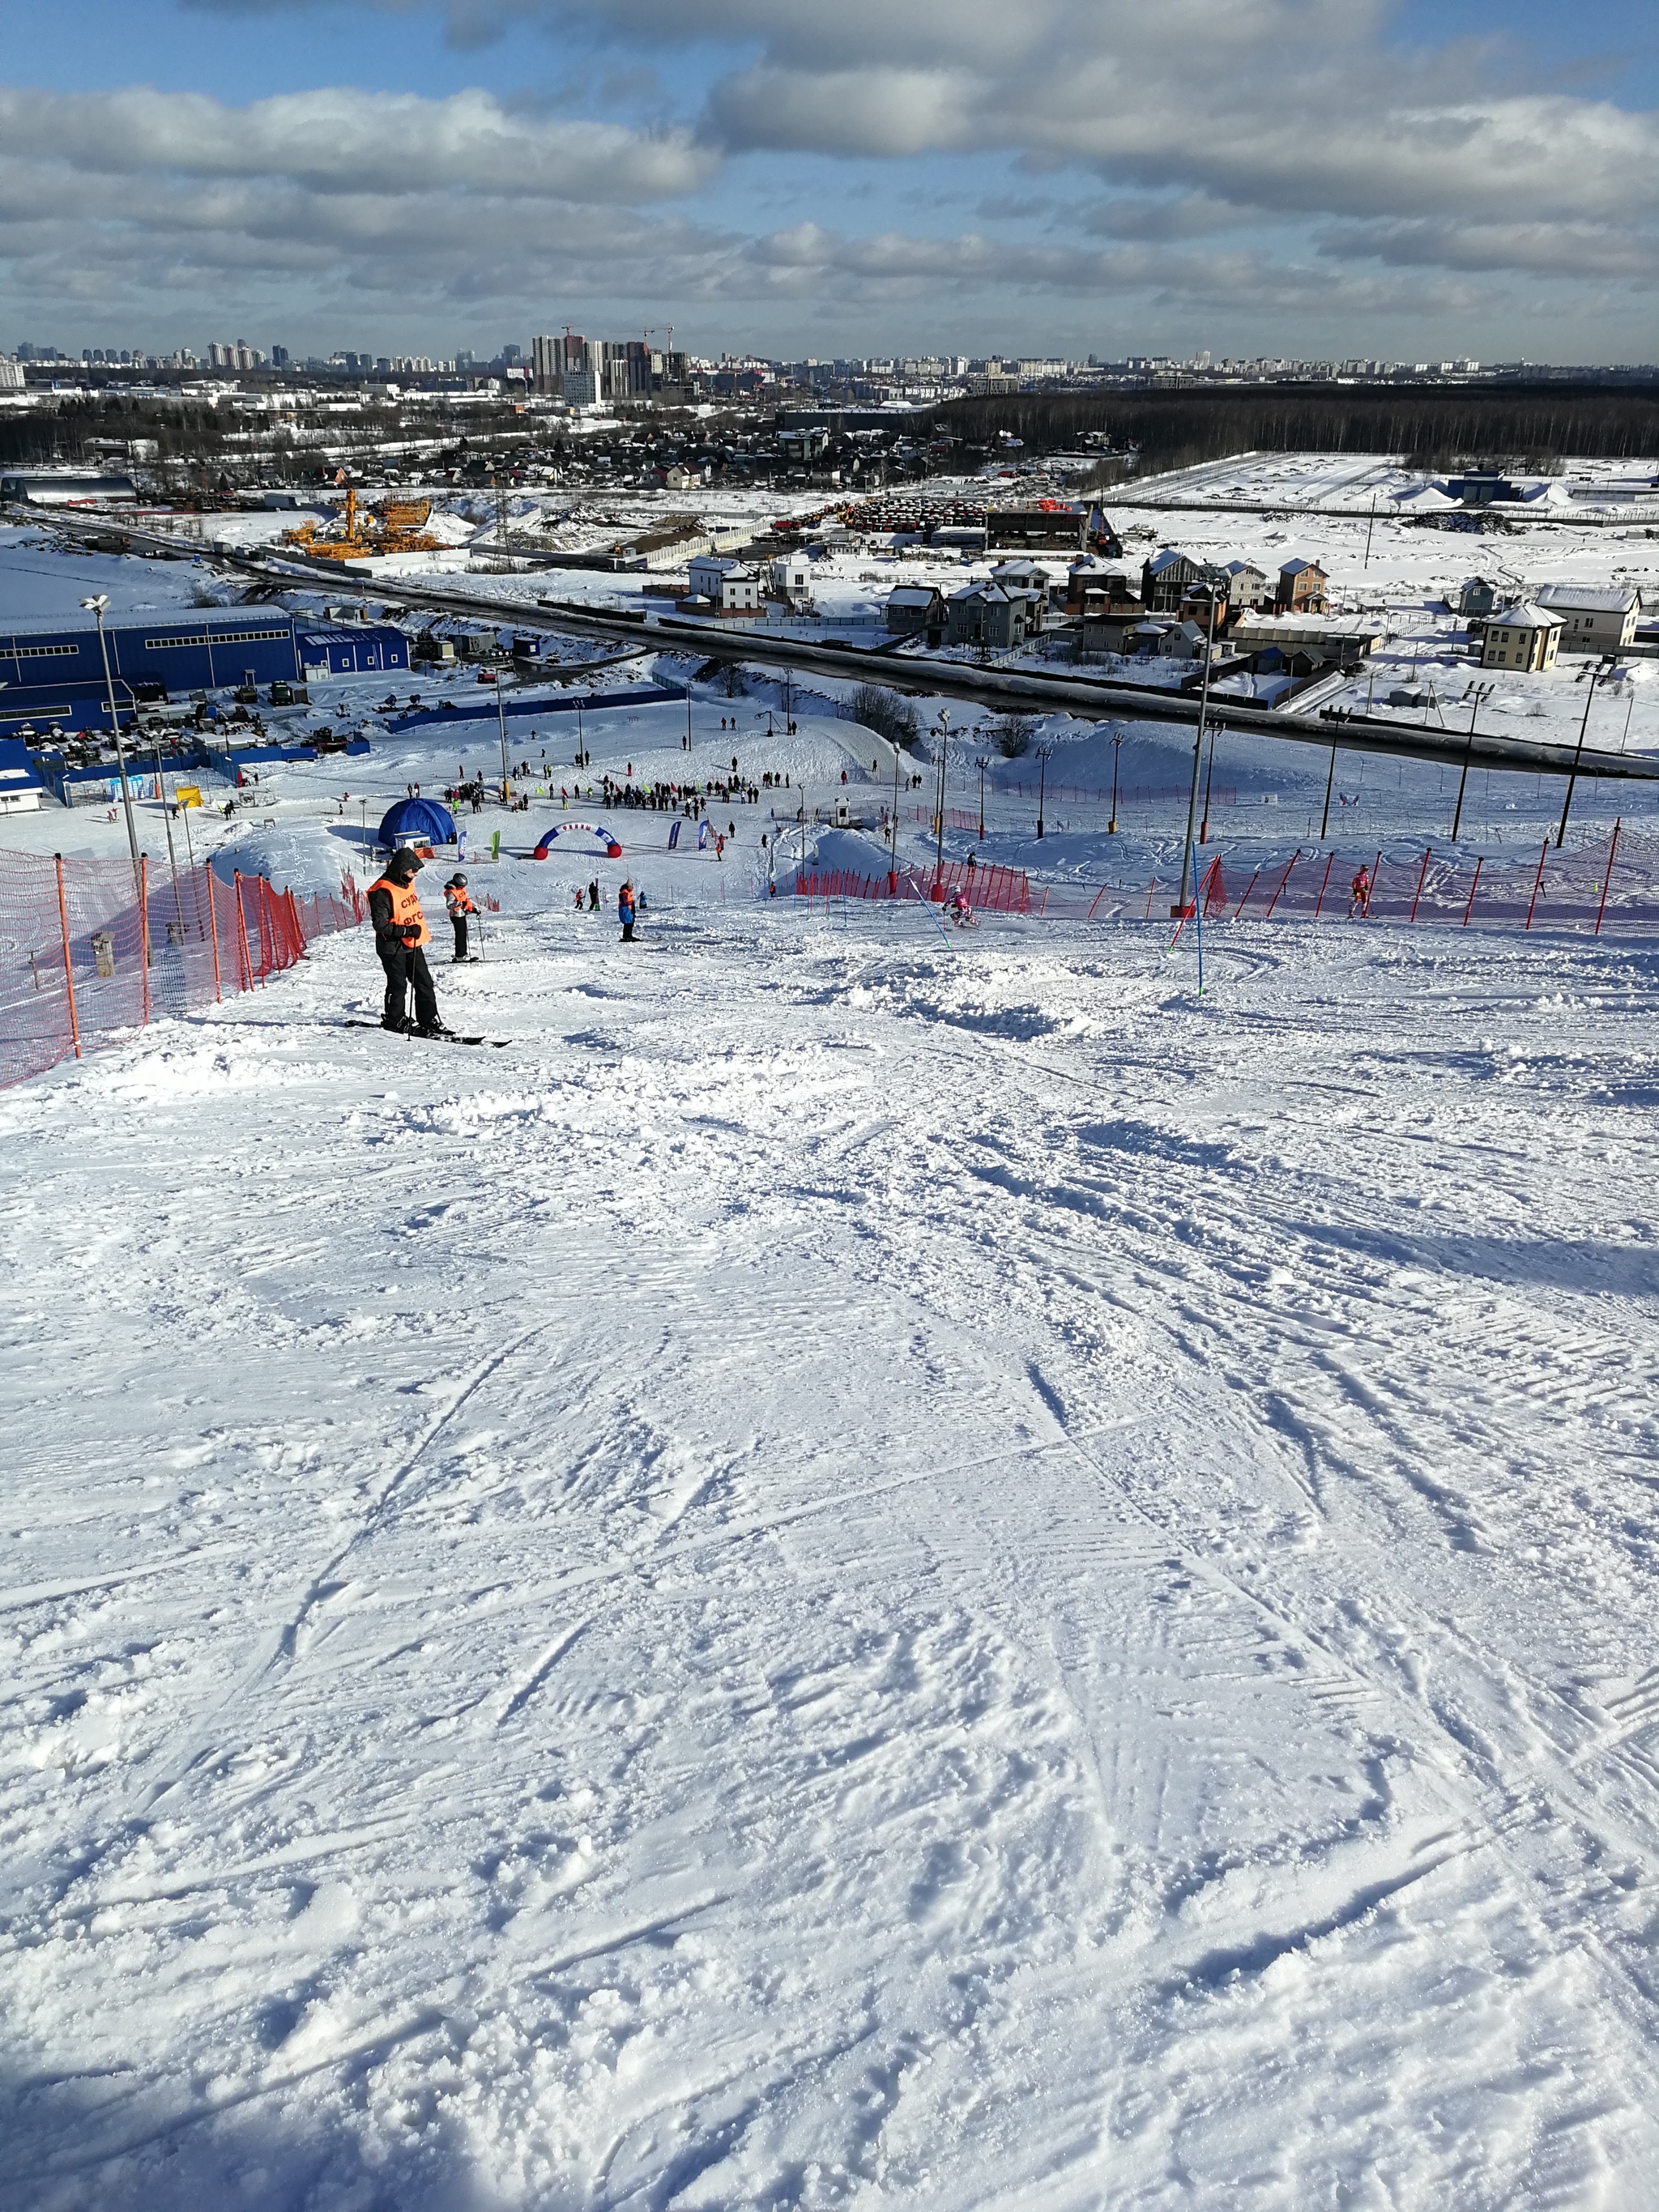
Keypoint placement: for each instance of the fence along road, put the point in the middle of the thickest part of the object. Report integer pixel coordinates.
(1091, 698)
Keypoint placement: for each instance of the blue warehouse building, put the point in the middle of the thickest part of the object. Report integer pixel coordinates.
(58, 674)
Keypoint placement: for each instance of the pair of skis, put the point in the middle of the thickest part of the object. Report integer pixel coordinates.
(430, 1037)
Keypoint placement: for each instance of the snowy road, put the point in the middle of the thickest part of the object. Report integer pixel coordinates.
(863, 1571)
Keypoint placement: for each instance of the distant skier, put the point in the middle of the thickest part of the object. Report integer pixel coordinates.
(593, 895)
(458, 903)
(625, 912)
(1361, 903)
(400, 935)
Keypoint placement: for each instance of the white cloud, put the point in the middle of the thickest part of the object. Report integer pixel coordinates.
(1251, 169)
(336, 139)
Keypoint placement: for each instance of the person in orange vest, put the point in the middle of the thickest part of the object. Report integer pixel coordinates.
(401, 937)
(458, 903)
(1360, 903)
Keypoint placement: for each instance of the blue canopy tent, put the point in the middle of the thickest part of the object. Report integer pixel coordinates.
(417, 821)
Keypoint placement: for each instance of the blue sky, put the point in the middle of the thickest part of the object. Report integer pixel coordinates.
(1064, 175)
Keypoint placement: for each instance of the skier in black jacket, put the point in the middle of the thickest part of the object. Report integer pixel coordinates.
(400, 938)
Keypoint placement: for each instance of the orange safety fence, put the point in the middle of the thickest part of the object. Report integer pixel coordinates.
(1593, 889)
(998, 890)
(91, 949)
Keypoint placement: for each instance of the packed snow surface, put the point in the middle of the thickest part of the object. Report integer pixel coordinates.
(869, 1567)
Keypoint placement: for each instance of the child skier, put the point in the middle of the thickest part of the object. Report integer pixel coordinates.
(459, 901)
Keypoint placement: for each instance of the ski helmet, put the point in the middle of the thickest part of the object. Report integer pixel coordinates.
(457, 882)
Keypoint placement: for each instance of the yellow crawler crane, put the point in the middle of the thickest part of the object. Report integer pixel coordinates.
(397, 526)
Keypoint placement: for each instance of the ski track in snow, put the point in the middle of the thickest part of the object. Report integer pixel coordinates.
(865, 1569)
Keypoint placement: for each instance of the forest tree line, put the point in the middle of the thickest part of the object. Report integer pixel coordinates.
(1432, 427)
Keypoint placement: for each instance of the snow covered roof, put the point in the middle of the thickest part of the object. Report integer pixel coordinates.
(1590, 598)
(912, 595)
(1298, 562)
(1527, 618)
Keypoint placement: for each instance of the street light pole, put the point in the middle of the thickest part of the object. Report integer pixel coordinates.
(95, 606)
(1184, 903)
(1596, 675)
(1481, 691)
(1044, 752)
(500, 716)
(981, 764)
(1117, 742)
(939, 816)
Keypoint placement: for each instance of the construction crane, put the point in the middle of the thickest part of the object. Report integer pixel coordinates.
(396, 526)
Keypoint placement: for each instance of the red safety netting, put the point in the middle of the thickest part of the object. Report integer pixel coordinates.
(1592, 889)
(999, 890)
(90, 949)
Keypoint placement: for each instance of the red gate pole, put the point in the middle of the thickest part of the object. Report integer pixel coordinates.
(1607, 871)
(1151, 888)
(241, 926)
(213, 933)
(1323, 880)
(69, 971)
(1283, 880)
(1421, 873)
(1249, 888)
(1371, 894)
(143, 925)
(1474, 888)
(1536, 880)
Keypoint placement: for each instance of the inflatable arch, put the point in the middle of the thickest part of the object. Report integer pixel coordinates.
(613, 851)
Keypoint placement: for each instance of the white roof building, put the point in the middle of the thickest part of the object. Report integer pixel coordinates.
(1595, 617)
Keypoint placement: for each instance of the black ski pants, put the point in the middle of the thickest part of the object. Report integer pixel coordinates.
(405, 966)
(459, 920)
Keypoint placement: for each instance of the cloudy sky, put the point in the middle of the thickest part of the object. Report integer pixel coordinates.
(1437, 177)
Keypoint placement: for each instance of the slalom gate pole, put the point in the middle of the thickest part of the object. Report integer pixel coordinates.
(241, 925)
(1283, 880)
(1537, 880)
(143, 926)
(1324, 879)
(1421, 873)
(1608, 873)
(1371, 894)
(213, 931)
(1249, 888)
(69, 971)
(1151, 888)
(1197, 906)
(1474, 888)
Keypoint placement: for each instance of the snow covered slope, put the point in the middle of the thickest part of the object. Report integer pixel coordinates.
(864, 1570)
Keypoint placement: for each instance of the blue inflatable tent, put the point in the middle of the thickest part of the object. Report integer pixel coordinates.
(417, 821)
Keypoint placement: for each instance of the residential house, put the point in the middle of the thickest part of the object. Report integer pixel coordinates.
(792, 573)
(1522, 638)
(1301, 588)
(914, 608)
(724, 583)
(1107, 611)
(1168, 577)
(984, 614)
(1032, 578)
(1596, 618)
(1246, 586)
(1477, 596)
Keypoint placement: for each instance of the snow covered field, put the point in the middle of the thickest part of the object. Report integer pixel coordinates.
(862, 1570)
